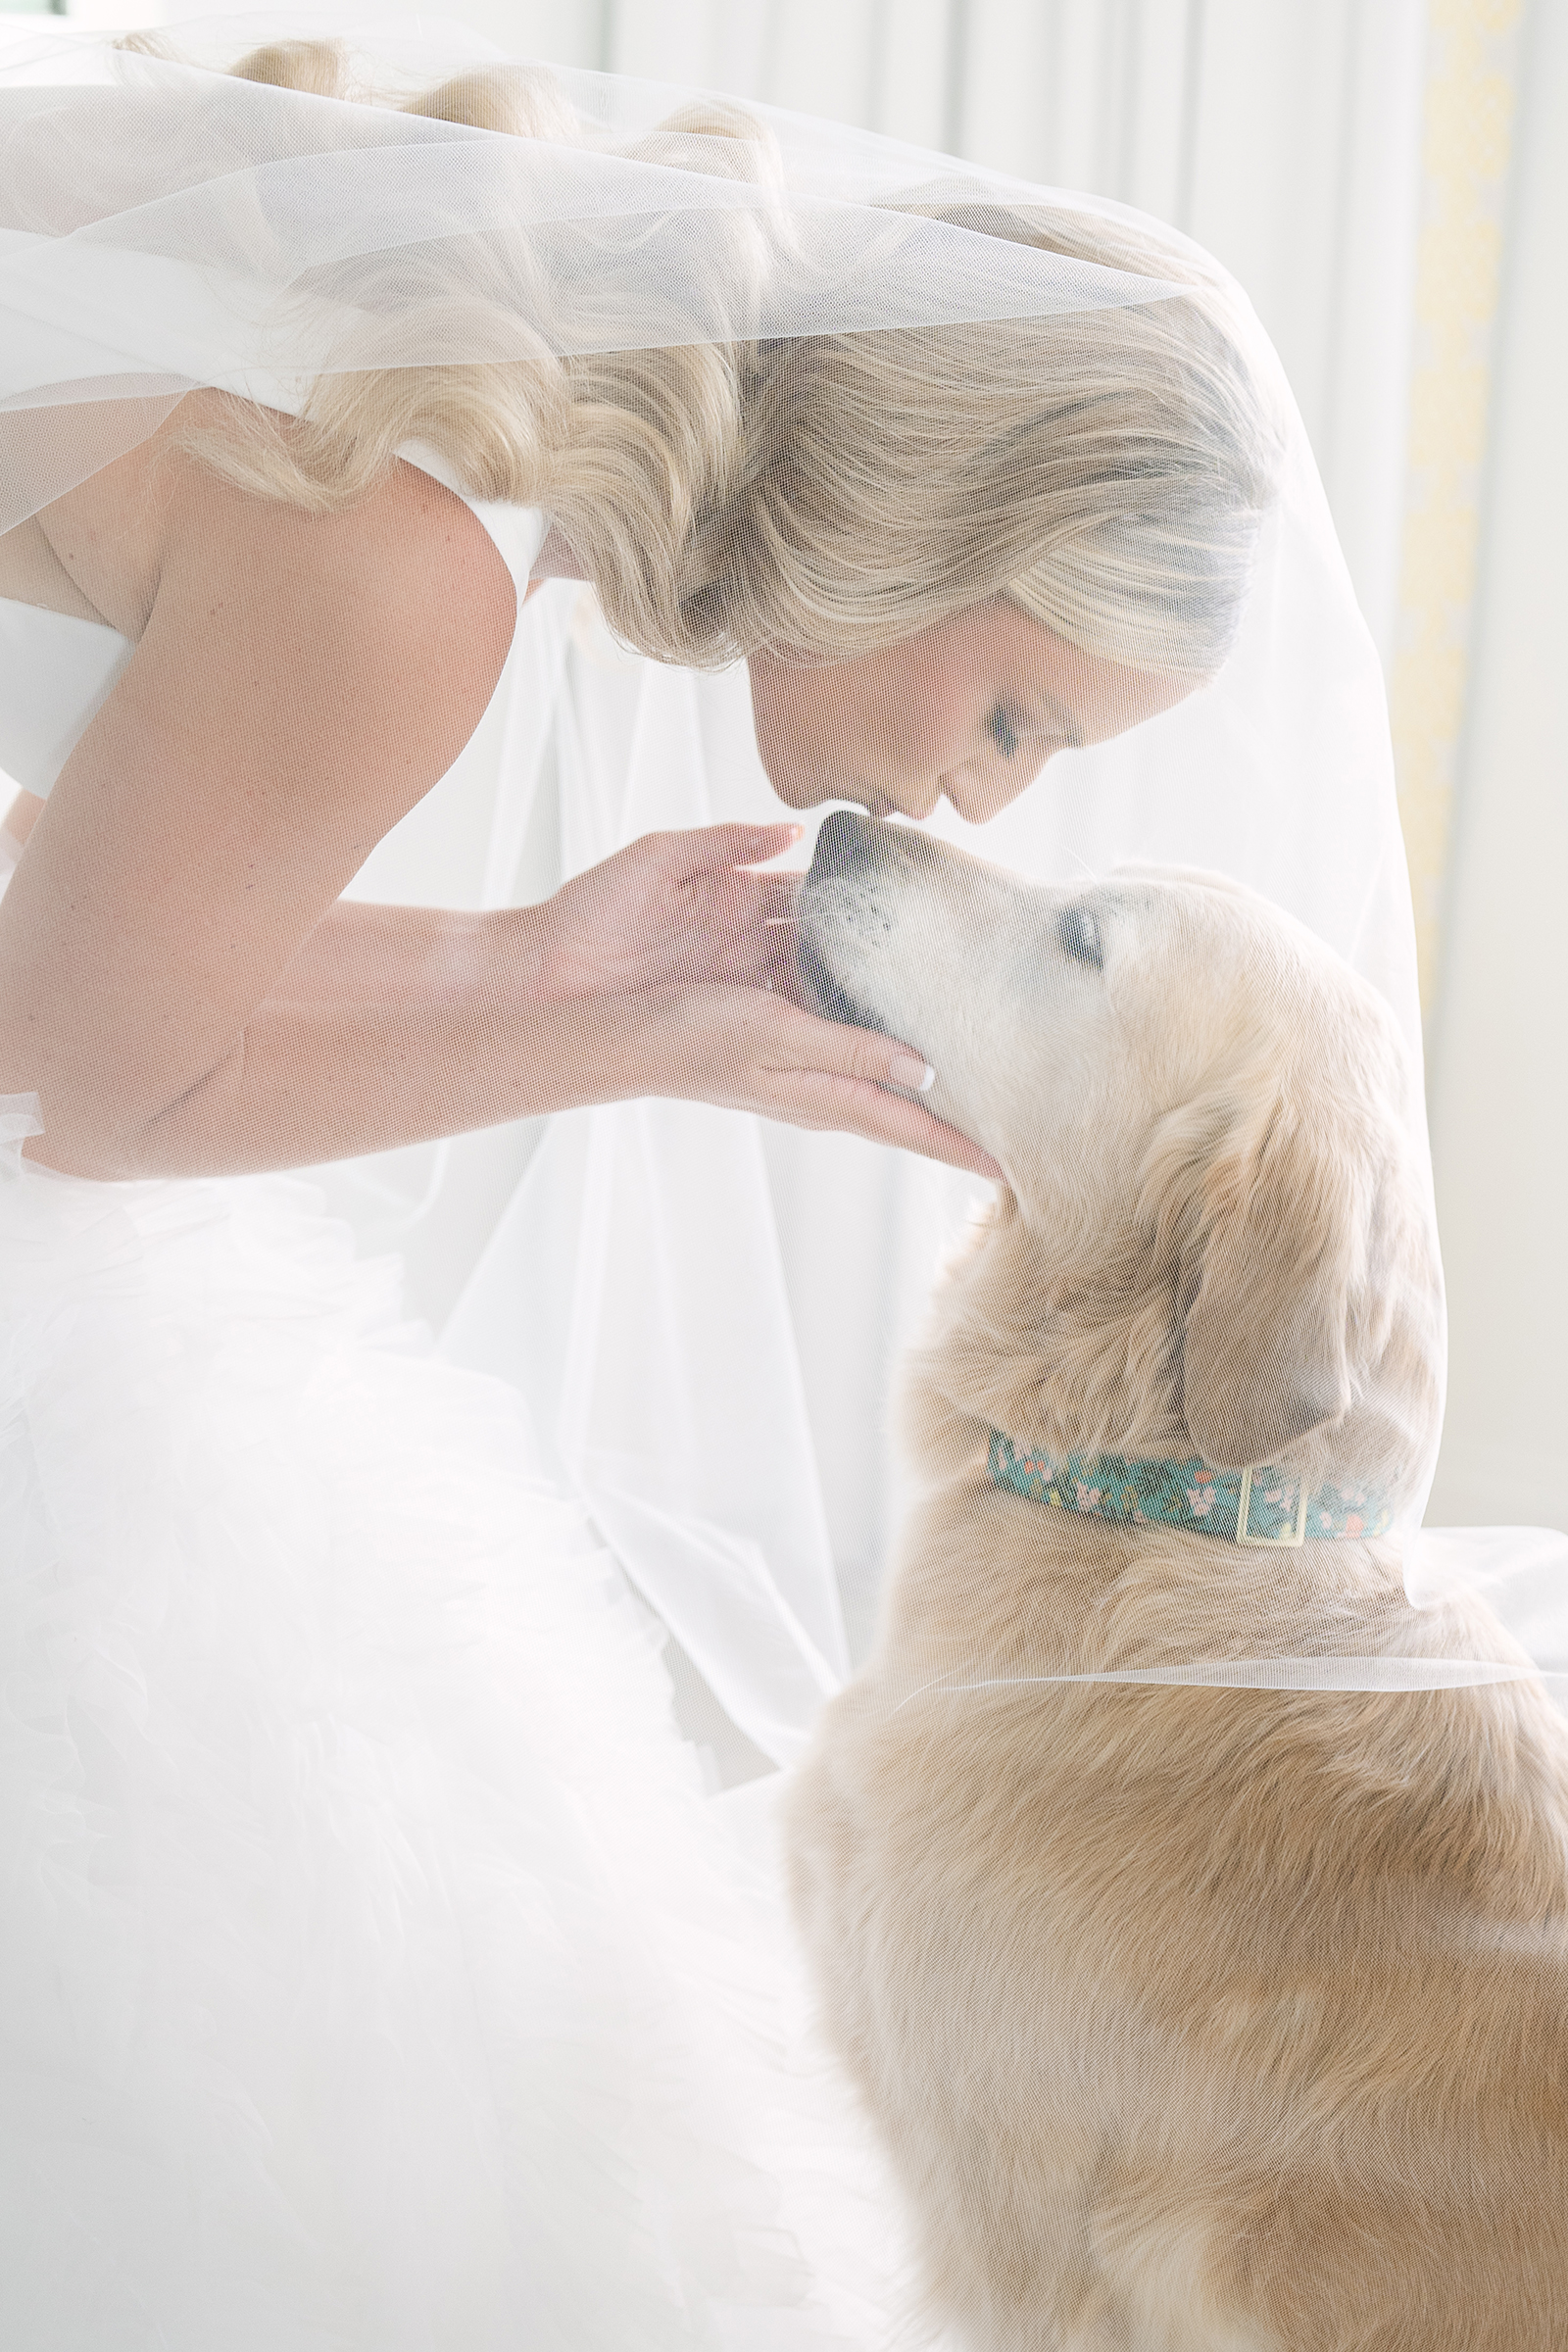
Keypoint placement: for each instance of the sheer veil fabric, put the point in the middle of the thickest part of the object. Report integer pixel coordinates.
(533, 1976)
(172, 228)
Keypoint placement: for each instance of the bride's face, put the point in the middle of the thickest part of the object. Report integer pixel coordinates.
(971, 709)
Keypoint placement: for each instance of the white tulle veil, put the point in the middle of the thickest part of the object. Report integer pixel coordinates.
(167, 228)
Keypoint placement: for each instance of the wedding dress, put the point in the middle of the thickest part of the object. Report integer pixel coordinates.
(376, 1971)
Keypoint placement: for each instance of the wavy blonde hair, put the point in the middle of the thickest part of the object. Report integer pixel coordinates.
(824, 495)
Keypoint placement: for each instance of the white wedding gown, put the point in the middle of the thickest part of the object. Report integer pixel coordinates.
(377, 1973)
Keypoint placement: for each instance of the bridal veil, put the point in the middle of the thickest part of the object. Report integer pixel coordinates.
(166, 226)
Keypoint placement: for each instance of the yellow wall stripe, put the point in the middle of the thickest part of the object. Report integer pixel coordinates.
(1467, 131)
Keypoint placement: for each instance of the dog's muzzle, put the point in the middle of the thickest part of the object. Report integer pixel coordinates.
(846, 852)
(844, 846)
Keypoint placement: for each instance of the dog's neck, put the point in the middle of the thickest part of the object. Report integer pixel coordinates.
(1073, 1357)
(1062, 1351)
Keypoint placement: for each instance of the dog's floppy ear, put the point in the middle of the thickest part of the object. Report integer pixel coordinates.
(1271, 1228)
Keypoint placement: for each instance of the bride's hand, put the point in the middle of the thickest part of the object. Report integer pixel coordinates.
(697, 950)
(751, 1051)
(670, 907)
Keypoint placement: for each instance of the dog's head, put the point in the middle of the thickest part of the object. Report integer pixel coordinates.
(1217, 1235)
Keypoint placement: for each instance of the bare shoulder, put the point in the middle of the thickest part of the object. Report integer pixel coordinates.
(411, 560)
(299, 680)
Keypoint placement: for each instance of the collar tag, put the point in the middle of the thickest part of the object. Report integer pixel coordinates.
(1292, 1533)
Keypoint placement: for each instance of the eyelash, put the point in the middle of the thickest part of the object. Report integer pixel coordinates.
(1003, 733)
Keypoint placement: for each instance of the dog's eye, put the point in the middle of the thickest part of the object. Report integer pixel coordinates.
(1078, 935)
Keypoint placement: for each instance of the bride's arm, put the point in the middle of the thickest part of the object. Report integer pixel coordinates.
(365, 954)
(301, 683)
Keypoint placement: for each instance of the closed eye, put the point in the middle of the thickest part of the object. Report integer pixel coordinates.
(1078, 936)
(1003, 733)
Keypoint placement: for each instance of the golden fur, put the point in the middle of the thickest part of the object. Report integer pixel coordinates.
(1192, 2018)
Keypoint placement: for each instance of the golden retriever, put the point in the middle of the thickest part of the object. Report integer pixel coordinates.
(1193, 2019)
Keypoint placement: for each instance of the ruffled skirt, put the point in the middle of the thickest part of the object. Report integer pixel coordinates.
(375, 1971)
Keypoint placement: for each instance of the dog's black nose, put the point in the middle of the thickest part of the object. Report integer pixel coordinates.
(841, 845)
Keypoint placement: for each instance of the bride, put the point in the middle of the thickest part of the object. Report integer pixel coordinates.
(377, 1972)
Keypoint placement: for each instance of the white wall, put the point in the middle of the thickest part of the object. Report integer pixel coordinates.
(1499, 1044)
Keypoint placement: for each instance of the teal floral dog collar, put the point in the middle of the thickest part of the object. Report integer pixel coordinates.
(1242, 1506)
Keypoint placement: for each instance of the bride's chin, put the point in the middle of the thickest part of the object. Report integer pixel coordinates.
(794, 794)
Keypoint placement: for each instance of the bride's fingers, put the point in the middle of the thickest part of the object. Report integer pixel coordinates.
(822, 1098)
(757, 1052)
(752, 917)
(768, 841)
(781, 894)
(844, 1075)
(771, 907)
(751, 898)
(800, 1040)
(715, 848)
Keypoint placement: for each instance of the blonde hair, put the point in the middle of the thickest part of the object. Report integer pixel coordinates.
(825, 495)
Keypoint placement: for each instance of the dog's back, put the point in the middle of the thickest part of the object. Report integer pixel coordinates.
(1196, 2018)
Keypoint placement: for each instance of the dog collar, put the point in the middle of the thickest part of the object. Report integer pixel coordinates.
(1240, 1506)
